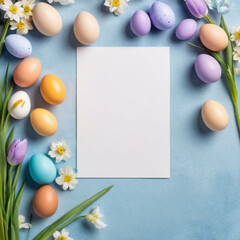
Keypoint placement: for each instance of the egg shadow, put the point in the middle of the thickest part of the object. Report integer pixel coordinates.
(72, 39)
(129, 32)
(194, 79)
(200, 125)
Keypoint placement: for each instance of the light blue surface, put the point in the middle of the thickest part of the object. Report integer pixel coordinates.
(202, 198)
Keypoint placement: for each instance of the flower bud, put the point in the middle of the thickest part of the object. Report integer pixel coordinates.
(198, 8)
(17, 152)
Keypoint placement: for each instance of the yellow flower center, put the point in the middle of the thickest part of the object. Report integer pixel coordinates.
(13, 9)
(21, 25)
(19, 223)
(237, 35)
(2, 2)
(61, 150)
(115, 3)
(26, 9)
(236, 70)
(62, 238)
(67, 178)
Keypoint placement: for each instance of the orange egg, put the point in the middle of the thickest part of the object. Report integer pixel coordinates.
(52, 89)
(213, 37)
(43, 122)
(45, 201)
(27, 72)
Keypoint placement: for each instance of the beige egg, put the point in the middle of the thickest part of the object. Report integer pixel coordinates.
(213, 37)
(47, 19)
(214, 115)
(86, 28)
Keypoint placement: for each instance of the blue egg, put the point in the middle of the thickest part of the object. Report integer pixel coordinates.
(162, 16)
(42, 169)
(18, 46)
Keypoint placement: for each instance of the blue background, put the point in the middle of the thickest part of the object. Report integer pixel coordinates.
(201, 200)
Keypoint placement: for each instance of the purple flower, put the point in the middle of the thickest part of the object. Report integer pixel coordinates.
(17, 152)
(198, 8)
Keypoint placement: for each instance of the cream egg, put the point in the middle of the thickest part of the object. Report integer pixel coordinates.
(86, 28)
(19, 105)
(214, 115)
(47, 19)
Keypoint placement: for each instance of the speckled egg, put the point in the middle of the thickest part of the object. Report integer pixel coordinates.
(213, 37)
(18, 46)
(42, 169)
(45, 201)
(27, 72)
(214, 115)
(19, 105)
(43, 122)
(162, 16)
(186, 29)
(207, 68)
(140, 23)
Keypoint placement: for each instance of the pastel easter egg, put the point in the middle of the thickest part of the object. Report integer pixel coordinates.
(86, 28)
(52, 89)
(43, 122)
(27, 72)
(213, 37)
(214, 115)
(162, 16)
(42, 169)
(18, 46)
(186, 29)
(207, 68)
(45, 201)
(46, 19)
(140, 23)
(19, 105)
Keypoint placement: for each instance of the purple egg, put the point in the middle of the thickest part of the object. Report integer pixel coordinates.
(140, 23)
(186, 29)
(162, 16)
(207, 68)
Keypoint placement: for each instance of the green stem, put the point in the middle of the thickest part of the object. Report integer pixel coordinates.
(2, 41)
(209, 19)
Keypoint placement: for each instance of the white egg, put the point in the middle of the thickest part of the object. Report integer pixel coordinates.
(22, 104)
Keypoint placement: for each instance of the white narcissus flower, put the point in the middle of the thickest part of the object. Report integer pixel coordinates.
(95, 217)
(116, 6)
(63, 235)
(67, 178)
(13, 11)
(27, 8)
(236, 54)
(62, 2)
(235, 35)
(60, 151)
(21, 224)
(22, 26)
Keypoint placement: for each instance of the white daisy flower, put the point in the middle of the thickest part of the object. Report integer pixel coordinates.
(235, 35)
(63, 235)
(22, 26)
(95, 217)
(116, 6)
(60, 151)
(67, 178)
(21, 224)
(13, 11)
(62, 2)
(27, 8)
(236, 54)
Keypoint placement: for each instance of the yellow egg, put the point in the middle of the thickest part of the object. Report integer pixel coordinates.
(213, 37)
(86, 28)
(214, 115)
(43, 122)
(52, 89)
(46, 19)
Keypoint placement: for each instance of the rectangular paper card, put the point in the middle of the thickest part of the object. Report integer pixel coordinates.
(123, 112)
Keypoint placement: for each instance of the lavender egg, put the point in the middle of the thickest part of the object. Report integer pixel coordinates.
(18, 46)
(162, 16)
(186, 29)
(207, 68)
(140, 23)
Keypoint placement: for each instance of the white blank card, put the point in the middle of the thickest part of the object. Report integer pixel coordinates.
(123, 112)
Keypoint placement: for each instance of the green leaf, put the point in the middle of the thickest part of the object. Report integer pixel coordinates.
(1, 97)
(5, 86)
(9, 139)
(48, 231)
